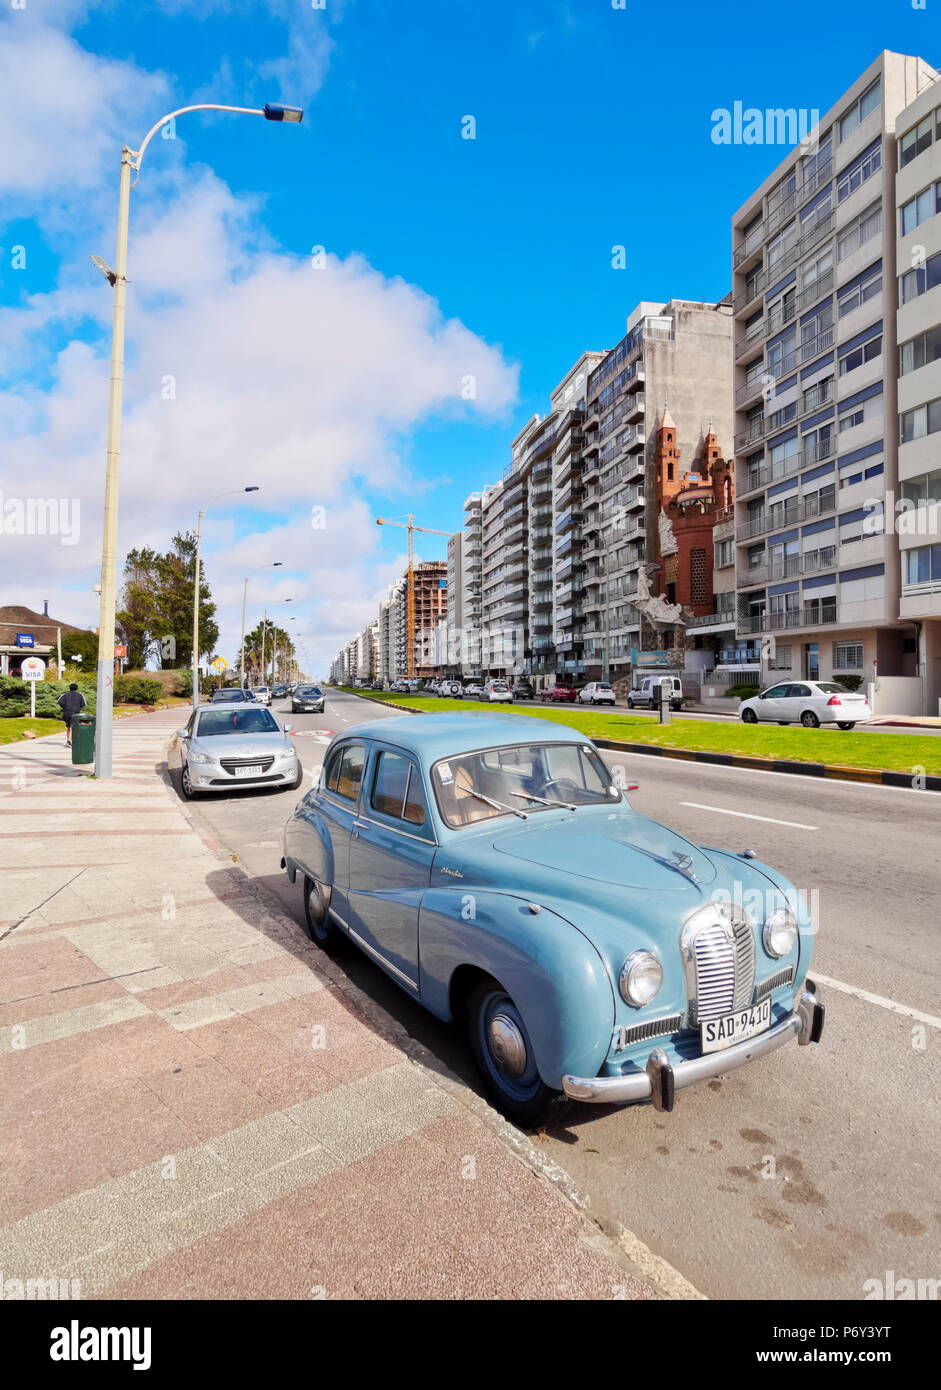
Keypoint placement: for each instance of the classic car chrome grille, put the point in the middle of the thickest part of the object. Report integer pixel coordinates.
(724, 970)
(230, 764)
(655, 1028)
(773, 982)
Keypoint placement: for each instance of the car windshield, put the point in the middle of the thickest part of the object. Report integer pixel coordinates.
(308, 690)
(220, 696)
(526, 777)
(237, 721)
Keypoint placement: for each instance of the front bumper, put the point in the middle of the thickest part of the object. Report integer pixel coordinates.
(660, 1080)
(212, 777)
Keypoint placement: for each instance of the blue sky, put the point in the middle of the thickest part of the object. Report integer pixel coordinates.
(592, 130)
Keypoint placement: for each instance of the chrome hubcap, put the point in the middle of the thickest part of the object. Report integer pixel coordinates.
(507, 1046)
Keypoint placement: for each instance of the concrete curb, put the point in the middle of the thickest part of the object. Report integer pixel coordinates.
(836, 771)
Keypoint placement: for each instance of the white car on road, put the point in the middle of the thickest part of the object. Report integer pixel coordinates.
(262, 694)
(810, 703)
(596, 693)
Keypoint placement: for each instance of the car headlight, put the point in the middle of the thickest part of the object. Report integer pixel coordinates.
(640, 979)
(779, 932)
(200, 758)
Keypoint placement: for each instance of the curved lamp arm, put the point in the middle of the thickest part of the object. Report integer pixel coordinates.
(270, 111)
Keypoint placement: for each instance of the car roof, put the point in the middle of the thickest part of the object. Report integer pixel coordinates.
(432, 736)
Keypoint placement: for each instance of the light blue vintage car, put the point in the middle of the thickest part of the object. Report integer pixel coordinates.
(491, 864)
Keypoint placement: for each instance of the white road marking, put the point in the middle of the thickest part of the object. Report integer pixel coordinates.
(747, 815)
(890, 1004)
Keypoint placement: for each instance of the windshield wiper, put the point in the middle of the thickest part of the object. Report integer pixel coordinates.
(568, 805)
(490, 802)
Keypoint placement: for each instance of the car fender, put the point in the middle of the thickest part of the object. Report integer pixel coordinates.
(552, 971)
(308, 845)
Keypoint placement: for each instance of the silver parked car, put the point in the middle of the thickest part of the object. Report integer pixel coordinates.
(226, 746)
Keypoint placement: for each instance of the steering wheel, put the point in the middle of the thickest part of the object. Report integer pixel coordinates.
(564, 784)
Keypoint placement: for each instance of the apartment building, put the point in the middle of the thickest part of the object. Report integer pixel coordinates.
(468, 631)
(917, 509)
(675, 357)
(816, 372)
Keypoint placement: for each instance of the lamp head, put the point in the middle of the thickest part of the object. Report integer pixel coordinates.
(275, 112)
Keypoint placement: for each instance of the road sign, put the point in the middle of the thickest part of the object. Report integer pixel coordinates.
(33, 669)
(220, 663)
(120, 650)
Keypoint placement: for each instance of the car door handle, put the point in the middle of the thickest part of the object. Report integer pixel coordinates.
(357, 827)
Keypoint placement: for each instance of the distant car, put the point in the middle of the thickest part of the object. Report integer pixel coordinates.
(523, 690)
(278, 692)
(497, 692)
(232, 695)
(308, 699)
(399, 687)
(227, 746)
(606, 957)
(648, 692)
(451, 690)
(262, 694)
(596, 693)
(473, 691)
(810, 703)
(559, 693)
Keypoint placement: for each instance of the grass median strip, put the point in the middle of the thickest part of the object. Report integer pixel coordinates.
(882, 752)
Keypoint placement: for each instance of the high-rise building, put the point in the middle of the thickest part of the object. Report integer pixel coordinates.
(918, 266)
(675, 356)
(817, 390)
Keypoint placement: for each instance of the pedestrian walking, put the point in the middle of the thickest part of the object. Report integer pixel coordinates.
(70, 702)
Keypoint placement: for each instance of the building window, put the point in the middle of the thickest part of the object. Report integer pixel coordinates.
(914, 141)
(859, 293)
(920, 350)
(781, 657)
(847, 656)
(855, 417)
(924, 491)
(724, 554)
(860, 109)
(862, 229)
(859, 171)
(923, 565)
(921, 279)
(858, 355)
(918, 209)
(924, 419)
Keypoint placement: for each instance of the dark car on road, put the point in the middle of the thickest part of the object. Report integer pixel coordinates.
(278, 692)
(231, 695)
(522, 690)
(307, 699)
(558, 693)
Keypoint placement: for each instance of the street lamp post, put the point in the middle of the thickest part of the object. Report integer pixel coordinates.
(274, 564)
(130, 162)
(196, 585)
(263, 629)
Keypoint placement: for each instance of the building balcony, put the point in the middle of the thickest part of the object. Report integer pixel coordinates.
(821, 613)
(795, 510)
(749, 248)
(753, 433)
(751, 388)
(755, 287)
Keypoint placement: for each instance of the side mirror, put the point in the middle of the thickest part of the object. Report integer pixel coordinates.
(181, 733)
(288, 728)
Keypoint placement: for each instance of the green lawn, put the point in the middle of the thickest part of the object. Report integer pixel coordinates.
(889, 752)
(11, 730)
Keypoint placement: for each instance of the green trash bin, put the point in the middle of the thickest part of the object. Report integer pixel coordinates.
(83, 738)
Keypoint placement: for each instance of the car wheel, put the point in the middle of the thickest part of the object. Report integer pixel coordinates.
(320, 929)
(186, 783)
(630, 704)
(810, 720)
(846, 724)
(749, 716)
(504, 1055)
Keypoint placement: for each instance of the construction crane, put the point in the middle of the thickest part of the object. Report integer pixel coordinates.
(411, 528)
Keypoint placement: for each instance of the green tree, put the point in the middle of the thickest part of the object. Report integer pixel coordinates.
(83, 644)
(156, 611)
(278, 652)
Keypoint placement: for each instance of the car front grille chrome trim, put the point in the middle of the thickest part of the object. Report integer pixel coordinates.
(717, 945)
(625, 1037)
(773, 982)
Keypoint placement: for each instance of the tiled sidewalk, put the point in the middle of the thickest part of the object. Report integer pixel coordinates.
(193, 1102)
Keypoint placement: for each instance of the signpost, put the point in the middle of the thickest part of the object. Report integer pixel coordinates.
(32, 670)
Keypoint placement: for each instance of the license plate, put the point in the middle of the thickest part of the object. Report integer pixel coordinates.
(253, 771)
(720, 1033)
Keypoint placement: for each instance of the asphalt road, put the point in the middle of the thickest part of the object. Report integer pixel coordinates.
(811, 1171)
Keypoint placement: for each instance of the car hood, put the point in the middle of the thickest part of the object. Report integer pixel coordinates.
(622, 851)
